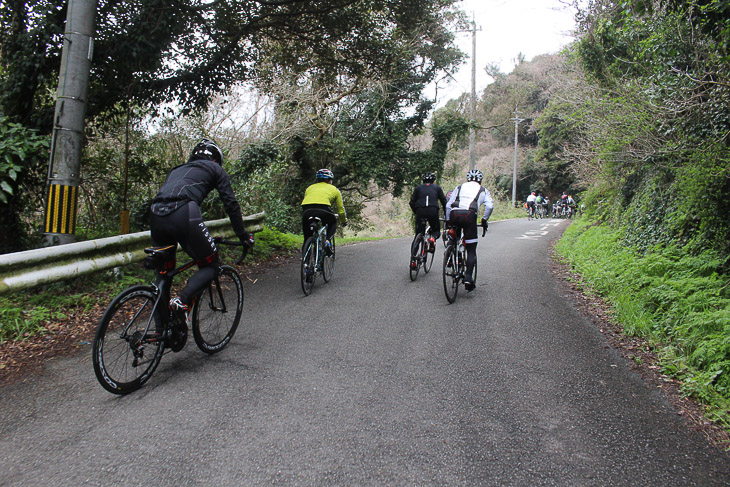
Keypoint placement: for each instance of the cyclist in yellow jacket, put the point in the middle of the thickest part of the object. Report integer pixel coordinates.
(320, 199)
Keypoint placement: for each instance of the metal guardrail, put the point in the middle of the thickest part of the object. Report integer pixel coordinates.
(30, 268)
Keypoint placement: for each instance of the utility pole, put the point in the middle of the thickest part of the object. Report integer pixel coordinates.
(64, 166)
(517, 121)
(472, 99)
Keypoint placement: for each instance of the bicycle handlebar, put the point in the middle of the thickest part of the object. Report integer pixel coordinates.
(234, 243)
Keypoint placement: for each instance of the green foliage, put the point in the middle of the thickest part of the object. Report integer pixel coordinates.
(18, 145)
(22, 154)
(679, 302)
(270, 243)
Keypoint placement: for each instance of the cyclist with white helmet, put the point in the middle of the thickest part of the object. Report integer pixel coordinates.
(320, 199)
(175, 217)
(461, 214)
(425, 204)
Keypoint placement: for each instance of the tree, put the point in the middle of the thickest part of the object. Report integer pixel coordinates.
(152, 52)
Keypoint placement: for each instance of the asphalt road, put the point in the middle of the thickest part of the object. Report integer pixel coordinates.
(372, 380)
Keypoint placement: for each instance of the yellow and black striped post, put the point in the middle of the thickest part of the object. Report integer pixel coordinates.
(61, 209)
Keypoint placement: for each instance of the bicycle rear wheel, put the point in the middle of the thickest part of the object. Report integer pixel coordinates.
(309, 263)
(451, 273)
(124, 356)
(416, 253)
(328, 263)
(428, 258)
(217, 311)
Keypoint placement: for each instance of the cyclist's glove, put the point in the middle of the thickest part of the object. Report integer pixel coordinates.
(248, 240)
(485, 226)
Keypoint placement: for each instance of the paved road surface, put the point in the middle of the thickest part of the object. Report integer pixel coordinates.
(372, 380)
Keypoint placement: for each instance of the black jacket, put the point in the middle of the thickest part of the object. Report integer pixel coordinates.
(427, 194)
(192, 182)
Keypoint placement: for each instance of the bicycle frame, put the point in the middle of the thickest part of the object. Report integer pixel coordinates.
(163, 282)
(320, 232)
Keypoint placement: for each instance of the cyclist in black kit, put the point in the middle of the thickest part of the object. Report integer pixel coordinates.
(425, 204)
(175, 217)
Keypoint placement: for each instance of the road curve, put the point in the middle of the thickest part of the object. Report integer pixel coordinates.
(372, 380)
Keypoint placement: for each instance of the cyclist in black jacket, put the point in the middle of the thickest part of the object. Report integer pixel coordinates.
(175, 216)
(425, 204)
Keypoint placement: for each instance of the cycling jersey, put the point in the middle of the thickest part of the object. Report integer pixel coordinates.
(325, 194)
(470, 196)
(192, 182)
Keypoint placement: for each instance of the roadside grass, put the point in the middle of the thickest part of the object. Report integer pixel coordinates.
(678, 302)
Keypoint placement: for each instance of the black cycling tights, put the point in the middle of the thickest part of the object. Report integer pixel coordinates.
(186, 227)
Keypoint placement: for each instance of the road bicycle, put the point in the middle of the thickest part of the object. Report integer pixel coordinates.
(316, 259)
(540, 211)
(138, 327)
(422, 252)
(454, 268)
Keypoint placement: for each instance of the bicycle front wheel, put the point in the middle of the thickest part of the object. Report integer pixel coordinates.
(125, 352)
(451, 273)
(328, 262)
(416, 253)
(217, 311)
(309, 266)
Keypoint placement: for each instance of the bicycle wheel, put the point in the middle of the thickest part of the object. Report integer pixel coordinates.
(124, 356)
(416, 252)
(427, 258)
(474, 271)
(451, 273)
(309, 262)
(328, 263)
(217, 311)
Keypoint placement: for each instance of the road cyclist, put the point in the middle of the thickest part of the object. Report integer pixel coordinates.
(461, 216)
(175, 218)
(319, 224)
(425, 202)
(531, 205)
(143, 320)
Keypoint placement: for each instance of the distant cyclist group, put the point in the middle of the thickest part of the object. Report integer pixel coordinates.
(539, 206)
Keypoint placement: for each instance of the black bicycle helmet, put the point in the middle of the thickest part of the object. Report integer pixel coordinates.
(429, 177)
(474, 175)
(324, 174)
(208, 150)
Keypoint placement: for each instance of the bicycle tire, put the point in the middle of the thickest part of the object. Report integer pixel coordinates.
(450, 273)
(328, 262)
(416, 252)
(217, 311)
(309, 264)
(428, 259)
(123, 358)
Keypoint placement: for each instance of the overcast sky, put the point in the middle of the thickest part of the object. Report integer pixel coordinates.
(508, 27)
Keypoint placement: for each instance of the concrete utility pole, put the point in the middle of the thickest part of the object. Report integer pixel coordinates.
(64, 166)
(517, 121)
(472, 99)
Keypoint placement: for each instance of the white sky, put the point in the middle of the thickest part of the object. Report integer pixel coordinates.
(508, 27)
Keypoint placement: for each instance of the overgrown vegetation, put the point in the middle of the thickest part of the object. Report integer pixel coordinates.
(643, 123)
(679, 302)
